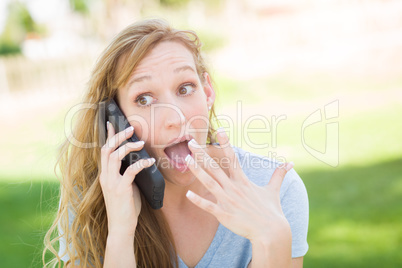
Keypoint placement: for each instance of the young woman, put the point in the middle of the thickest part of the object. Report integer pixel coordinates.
(217, 212)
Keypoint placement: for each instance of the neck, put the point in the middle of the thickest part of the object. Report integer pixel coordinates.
(175, 195)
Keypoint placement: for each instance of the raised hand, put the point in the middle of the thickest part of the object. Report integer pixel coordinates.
(246, 209)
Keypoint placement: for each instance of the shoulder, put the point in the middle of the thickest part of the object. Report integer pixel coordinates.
(259, 169)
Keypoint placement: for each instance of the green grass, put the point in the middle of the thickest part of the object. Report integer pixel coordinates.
(26, 210)
(355, 215)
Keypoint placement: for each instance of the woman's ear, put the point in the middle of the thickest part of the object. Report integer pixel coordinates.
(208, 89)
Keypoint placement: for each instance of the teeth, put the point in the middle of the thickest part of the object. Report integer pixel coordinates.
(177, 143)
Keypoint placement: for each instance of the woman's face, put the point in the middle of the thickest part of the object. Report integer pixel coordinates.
(167, 104)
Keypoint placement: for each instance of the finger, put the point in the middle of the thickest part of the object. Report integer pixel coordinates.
(127, 148)
(134, 169)
(110, 130)
(115, 140)
(209, 183)
(208, 163)
(204, 204)
(278, 176)
(118, 155)
(234, 166)
(105, 151)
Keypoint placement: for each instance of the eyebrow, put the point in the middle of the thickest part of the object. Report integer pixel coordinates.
(184, 68)
(148, 77)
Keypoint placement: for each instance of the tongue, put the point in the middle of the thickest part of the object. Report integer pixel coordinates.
(178, 152)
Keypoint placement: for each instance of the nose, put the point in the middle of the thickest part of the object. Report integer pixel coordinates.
(171, 115)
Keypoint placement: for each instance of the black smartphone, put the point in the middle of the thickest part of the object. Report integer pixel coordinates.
(149, 180)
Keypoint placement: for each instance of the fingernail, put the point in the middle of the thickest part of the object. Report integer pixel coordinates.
(190, 194)
(220, 130)
(129, 129)
(289, 166)
(188, 158)
(107, 125)
(151, 160)
(140, 142)
(192, 142)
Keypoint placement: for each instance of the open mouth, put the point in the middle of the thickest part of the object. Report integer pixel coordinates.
(177, 154)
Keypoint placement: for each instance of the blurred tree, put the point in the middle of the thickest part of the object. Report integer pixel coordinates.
(214, 4)
(80, 6)
(18, 24)
(174, 3)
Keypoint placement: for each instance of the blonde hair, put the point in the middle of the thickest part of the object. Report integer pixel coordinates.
(81, 199)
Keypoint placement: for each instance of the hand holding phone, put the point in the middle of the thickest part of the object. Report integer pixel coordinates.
(150, 181)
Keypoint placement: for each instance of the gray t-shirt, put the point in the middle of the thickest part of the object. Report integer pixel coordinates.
(231, 250)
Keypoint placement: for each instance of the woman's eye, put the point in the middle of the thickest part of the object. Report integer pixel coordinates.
(144, 100)
(186, 89)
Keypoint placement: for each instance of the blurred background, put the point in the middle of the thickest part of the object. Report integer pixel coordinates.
(320, 80)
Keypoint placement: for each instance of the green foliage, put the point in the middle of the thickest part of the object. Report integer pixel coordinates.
(211, 4)
(7, 48)
(18, 24)
(215, 5)
(174, 3)
(26, 19)
(80, 6)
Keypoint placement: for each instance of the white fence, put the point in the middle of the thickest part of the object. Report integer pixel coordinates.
(21, 75)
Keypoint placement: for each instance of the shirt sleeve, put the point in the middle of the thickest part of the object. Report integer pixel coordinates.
(295, 206)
